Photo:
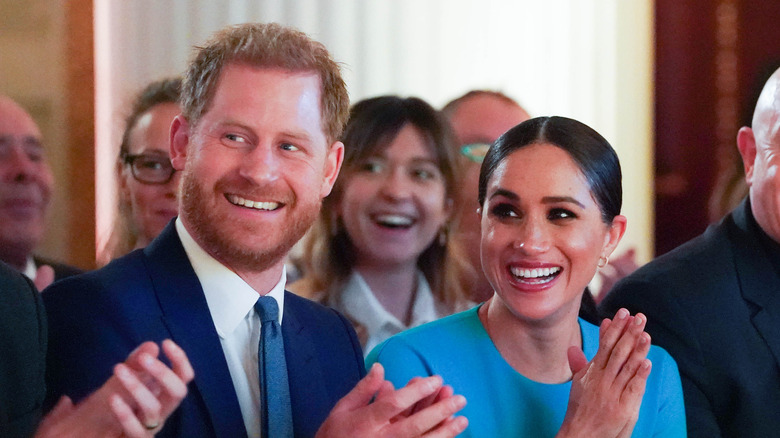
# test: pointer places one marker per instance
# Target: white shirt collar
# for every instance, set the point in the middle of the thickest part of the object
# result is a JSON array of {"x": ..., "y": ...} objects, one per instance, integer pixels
[
  {"x": 30, "y": 269},
  {"x": 360, "y": 304},
  {"x": 229, "y": 297}
]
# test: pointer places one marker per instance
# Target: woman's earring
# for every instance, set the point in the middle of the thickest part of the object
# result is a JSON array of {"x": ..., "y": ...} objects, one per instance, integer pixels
[
  {"x": 443, "y": 236},
  {"x": 603, "y": 260}
]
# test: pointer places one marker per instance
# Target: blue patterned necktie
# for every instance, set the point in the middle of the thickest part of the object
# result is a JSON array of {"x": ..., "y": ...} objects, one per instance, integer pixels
[{"x": 276, "y": 417}]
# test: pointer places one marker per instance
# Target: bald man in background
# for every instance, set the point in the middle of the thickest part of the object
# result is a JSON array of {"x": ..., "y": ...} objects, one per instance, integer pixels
[
  {"x": 714, "y": 302},
  {"x": 478, "y": 118},
  {"x": 25, "y": 192}
]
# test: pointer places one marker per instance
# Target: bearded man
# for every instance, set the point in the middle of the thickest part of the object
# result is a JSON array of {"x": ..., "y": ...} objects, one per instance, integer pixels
[{"x": 257, "y": 143}]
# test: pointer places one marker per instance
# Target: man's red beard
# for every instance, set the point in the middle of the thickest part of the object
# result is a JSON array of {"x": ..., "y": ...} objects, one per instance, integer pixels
[{"x": 210, "y": 227}]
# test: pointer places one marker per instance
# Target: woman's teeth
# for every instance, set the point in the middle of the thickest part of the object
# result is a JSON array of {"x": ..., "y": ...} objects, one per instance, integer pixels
[
  {"x": 535, "y": 273},
  {"x": 394, "y": 220}
]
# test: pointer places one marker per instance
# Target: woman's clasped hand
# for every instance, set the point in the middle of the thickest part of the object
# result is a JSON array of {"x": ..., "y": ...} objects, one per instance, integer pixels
[{"x": 606, "y": 392}]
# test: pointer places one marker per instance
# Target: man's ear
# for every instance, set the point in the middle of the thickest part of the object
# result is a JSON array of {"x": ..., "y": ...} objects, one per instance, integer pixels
[
  {"x": 180, "y": 139},
  {"x": 746, "y": 143},
  {"x": 333, "y": 160}
]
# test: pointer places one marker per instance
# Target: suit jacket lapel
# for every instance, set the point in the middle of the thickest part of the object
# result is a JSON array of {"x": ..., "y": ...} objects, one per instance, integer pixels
[
  {"x": 757, "y": 278},
  {"x": 186, "y": 314},
  {"x": 304, "y": 371}
]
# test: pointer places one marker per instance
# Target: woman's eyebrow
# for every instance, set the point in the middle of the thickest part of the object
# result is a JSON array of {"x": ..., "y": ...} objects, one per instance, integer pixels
[
  {"x": 556, "y": 199},
  {"x": 505, "y": 193}
]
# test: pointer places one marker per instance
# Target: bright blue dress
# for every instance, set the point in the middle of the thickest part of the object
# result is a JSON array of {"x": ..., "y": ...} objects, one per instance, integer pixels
[{"x": 502, "y": 402}]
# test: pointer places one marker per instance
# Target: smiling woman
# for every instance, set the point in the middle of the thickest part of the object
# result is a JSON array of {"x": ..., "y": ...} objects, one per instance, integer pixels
[
  {"x": 148, "y": 185},
  {"x": 379, "y": 251},
  {"x": 550, "y": 197}
]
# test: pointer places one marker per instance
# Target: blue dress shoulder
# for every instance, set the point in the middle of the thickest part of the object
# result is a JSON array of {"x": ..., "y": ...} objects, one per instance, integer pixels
[{"x": 500, "y": 401}]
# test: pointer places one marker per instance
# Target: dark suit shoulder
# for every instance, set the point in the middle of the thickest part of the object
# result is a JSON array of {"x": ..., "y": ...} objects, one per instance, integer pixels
[
  {"x": 681, "y": 293},
  {"x": 324, "y": 360},
  {"x": 123, "y": 274},
  {"x": 95, "y": 320},
  {"x": 318, "y": 311},
  {"x": 695, "y": 300},
  {"x": 14, "y": 286},
  {"x": 694, "y": 271},
  {"x": 328, "y": 325},
  {"x": 23, "y": 346}
]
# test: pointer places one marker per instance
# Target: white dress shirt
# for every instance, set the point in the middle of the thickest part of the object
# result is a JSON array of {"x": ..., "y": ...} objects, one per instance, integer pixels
[
  {"x": 30, "y": 270},
  {"x": 231, "y": 303},
  {"x": 358, "y": 302}
]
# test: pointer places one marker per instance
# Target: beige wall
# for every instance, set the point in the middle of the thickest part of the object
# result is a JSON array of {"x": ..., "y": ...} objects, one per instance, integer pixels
[{"x": 36, "y": 64}]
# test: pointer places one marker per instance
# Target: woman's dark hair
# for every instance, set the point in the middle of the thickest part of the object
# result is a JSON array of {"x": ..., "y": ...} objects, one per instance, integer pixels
[
  {"x": 373, "y": 124},
  {"x": 124, "y": 236},
  {"x": 162, "y": 91},
  {"x": 589, "y": 150}
]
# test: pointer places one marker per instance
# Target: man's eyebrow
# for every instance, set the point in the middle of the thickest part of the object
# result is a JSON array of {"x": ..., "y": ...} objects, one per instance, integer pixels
[
  {"x": 298, "y": 135},
  {"x": 32, "y": 141},
  {"x": 227, "y": 123},
  {"x": 25, "y": 140}
]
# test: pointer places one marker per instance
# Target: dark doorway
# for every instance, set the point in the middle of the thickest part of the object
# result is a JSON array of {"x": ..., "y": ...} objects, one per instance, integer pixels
[{"x": 711, "y": 57}]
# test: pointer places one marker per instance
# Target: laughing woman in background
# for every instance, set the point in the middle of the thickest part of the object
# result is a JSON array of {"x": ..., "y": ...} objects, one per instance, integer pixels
[{"x": 379, "y": 251}]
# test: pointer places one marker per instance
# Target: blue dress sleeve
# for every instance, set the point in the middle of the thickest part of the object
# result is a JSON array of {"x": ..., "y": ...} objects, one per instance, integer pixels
[
  {"x": 671, "y": 409},
  {"x": 400, "y": 360}
]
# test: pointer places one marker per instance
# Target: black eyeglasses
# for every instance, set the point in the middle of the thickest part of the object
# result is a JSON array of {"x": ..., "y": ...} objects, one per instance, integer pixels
[{"x": 150, "y": 168}]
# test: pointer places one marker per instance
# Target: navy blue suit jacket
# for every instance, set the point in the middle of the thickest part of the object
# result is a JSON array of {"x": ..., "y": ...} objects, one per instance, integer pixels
[
  {"x": 98, "y": 318},
  {"x": 714, "y": 305}
]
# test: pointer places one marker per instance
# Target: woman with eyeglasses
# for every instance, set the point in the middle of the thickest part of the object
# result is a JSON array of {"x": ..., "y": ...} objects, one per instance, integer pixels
[{"x": 148, "y": 184}]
